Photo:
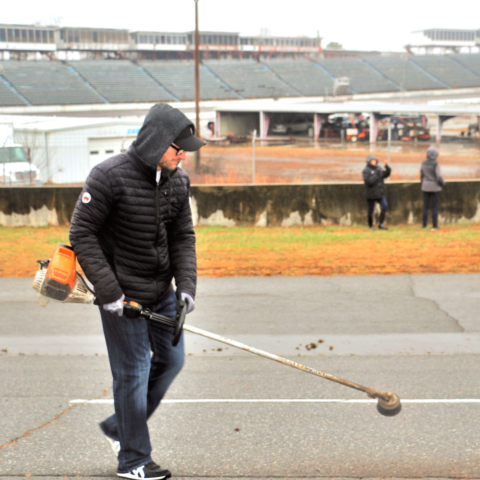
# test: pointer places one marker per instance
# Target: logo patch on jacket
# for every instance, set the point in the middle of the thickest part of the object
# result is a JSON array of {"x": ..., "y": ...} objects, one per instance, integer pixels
[{"x": 86, "y": 197}]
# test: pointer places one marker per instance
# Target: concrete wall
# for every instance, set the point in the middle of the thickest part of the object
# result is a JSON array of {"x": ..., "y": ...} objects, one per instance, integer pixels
[
  {"x": 261, "y": 205},
  {"x": 37, "y": 206}
]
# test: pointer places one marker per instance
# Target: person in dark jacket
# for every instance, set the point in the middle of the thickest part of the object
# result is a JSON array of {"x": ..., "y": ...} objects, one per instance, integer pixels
[
  {"x": 432, "y": 183},
  {"x": 373, "y": 177},
  {"x": 132, "y": 232}
]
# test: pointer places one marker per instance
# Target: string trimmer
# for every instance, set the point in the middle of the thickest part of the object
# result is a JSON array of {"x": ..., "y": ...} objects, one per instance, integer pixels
[{"x": 57, "y": 279}]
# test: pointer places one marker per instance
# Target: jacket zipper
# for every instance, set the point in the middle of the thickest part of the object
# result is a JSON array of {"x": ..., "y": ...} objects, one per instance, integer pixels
[{"x": 157, "y": 222}]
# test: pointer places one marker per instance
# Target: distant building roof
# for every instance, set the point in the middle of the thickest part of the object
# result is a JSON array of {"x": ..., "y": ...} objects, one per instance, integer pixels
[{"x": 451, "y": 35}]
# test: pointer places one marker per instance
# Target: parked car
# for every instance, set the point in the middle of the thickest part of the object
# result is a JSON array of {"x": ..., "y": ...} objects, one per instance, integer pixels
[{"x": 295, "y": 126}]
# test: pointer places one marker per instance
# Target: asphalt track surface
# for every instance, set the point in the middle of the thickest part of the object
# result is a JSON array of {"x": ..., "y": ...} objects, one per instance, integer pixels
[{"x": 233, "y": 415}]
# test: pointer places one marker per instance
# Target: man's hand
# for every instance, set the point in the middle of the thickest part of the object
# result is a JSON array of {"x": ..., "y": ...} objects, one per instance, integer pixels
[
  {"x": 187, "y": 298},
  {"x": 115, "y": 307}
]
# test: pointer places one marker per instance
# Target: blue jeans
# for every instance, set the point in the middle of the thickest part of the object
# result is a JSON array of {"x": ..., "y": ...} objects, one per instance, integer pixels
[
  {"x": 140, "y": 379},
  {"x": 433, "y": 198},
  {"x": 383, "y": 209}
]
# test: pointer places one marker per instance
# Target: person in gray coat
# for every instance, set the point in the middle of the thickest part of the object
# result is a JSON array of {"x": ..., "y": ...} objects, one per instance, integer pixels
[{"x": 432, "y": 183}]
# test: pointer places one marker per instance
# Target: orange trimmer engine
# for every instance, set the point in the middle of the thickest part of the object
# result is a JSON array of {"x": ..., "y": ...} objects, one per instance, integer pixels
[
  {"x": 57, "y": 279},
  {"x": 61, "y": 273}
]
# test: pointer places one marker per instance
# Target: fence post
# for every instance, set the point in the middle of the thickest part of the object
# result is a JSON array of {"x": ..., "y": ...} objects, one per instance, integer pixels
[
  {"x": 45, "y": 137},
  {"x": 253, "y": 155}
]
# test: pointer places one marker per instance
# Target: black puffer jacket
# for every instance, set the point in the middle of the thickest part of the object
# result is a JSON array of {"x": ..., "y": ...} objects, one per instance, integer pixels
[
  {"x": 132, "y": 235},
  {"x": 373, "y": 177}
]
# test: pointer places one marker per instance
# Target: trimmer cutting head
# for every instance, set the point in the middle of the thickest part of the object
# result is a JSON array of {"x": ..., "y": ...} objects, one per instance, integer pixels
[
  {"x": 391, "y": 407},
  {"x": 57, "y": 279}
]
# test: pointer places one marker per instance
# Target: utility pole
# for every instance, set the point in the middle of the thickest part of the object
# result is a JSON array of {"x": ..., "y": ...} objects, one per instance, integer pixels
[
  {"x": 197, "y": 87},
  {"x": 253, "y": 155}
]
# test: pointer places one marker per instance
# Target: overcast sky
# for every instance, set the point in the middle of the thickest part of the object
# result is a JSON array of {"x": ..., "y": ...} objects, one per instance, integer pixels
[{"x": 369, "y": 25}]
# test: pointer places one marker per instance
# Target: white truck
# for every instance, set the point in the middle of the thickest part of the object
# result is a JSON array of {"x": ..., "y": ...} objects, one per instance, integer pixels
[{"x": 16, "y": 167}]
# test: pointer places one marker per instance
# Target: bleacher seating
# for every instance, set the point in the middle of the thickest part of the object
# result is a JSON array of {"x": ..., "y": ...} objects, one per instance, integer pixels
[
  {"x": 250, "y": 79},
  {"x": 363, "y": 78},
  {"x": 48, "y": 83},
  {"x": 304, "y": 75},
  {"x": 179, "y": 79},
  {"x": 447, "y": 70},
  {"x": 403, "y": 72},
  {"x": 8, "y": 98},
  {"x": 470, "y": 61},
  {"x": 120, "y": 81}
]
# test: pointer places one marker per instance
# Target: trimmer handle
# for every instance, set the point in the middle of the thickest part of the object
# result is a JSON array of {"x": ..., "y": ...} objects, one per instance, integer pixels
[
  {"x": 134, "y": 310},
  {"x": 182, "y": 307}
]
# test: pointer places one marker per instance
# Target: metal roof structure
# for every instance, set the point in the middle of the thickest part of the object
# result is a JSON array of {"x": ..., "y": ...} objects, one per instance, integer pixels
[
  {"x": 381, "y": 108},
  {"x": 55, "y": 124},
  {"x": 321, "y": 110}
]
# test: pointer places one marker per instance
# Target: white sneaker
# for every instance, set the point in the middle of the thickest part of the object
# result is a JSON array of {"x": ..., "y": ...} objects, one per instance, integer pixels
[{"x": 151, "y": 471}]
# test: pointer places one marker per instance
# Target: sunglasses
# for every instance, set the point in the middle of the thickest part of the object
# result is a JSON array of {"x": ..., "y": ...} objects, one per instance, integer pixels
[{"x": 179, "y": 151}]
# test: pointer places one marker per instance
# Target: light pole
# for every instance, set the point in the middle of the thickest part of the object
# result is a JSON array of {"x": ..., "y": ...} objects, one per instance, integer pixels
[{"x": 197, "y": 87}]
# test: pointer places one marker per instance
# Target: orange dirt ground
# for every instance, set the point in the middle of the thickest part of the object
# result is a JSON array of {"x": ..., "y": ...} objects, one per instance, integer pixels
[
  {"x": 287, "y": 251},
  {"x": 310, "y": 164}
]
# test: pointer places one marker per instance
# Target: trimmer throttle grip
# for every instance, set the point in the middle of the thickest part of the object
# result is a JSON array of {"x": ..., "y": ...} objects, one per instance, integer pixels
[{"x": 132, "y": 310}]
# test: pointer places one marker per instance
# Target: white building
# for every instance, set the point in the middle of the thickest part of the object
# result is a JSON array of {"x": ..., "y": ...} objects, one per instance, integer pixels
[{"x": 66, "y": 149}]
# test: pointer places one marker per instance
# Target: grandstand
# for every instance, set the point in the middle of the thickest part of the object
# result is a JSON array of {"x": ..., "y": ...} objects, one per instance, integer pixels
[
  {"x": 307, "y": 77},
  {"x": 470, "y": 61},
  {"x": 83, "y": 82},
  {"x": 251, "y": 79},
  {"x": 178, "y": 78},
  {"x": 447, "y": 71},
  {"x": 407, "y": 75},
  {"x": 363, "y": 78},
  {"x": 8, "y": 96},
  {"x": 47, "y": 83},
  {"x": 122, "y": 82}
]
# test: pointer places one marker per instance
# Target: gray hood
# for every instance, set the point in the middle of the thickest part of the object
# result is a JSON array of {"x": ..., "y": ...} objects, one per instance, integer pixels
[
  {"x": 432, "y": 154},
  {"x": 371, "y": 157},
  {"x": 160, "y": 128}
]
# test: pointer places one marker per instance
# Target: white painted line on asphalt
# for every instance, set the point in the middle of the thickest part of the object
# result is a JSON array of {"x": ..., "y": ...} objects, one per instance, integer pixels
[
  {"x": 288, "y": 400},
  {"x": 286, "y": 345}
]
